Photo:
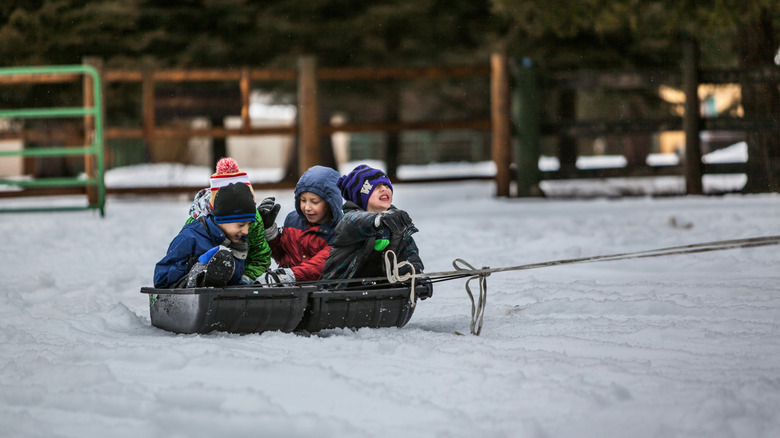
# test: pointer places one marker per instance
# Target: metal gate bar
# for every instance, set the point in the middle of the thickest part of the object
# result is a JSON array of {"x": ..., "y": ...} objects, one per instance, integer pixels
[{"x": 94, "y": 149}]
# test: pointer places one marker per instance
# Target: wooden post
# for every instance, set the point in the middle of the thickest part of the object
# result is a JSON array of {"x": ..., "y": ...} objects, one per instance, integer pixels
[
  {"x": 308, "y": 119},
  {"x": 525, "y": 117},
  {"x": 500, "y": 121},
  {"x": 89, "y": 128},
  {"x": 147, "y": 105},
  {"x": 245, "y": 99},
  {"x": 692, "y": 119}
]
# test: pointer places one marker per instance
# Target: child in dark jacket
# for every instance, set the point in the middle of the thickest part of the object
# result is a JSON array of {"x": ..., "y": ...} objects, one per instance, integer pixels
[
  {"x": 302, "y": 245},
  {"x": 258, "y": 258},
  {"x": 371, "y": 226},
  {"x": 211, "y": 251}
]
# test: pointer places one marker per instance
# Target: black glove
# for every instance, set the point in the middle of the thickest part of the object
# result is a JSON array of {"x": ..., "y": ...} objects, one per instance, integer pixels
[
  {"x": 396, "y": 221},
  {"x": 268, "y": 209},
  {"x": 425, "y": 283}
]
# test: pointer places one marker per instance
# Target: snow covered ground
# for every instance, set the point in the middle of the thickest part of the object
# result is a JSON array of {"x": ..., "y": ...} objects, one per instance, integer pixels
[{"x": 678, "y": 346}]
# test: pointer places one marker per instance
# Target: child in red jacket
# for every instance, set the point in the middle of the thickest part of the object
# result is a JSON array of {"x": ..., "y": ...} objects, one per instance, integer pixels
[{"x": 302, "y": 245}]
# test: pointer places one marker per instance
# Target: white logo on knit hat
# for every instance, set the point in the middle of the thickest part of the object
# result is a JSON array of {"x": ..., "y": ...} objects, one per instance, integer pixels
[{"x": 366, "y": 187}]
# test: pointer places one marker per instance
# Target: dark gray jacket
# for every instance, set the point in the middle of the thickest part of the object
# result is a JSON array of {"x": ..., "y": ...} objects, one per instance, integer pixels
[{"x": 352, "y": 254}]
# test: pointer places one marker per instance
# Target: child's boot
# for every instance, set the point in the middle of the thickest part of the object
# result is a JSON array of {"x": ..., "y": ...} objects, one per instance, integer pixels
[
  {"x": 219, "y": 269},
  {"x": 196, "y": 275}
]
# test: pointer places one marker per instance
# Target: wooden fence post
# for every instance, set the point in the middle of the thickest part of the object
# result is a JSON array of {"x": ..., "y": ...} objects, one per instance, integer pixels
[
  {"x": 90, "y": 165},
  {"x": 500, "y": 121},
  {"x": 147, "y": 107},
  {"x": 246, "y": 89},
  {"x": 308, "y": 119},
  {"x": 692, "y": 119}
]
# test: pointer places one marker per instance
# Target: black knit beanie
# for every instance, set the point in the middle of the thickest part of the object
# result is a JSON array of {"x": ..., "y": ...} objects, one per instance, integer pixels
[{"x": 234, "y": 203}]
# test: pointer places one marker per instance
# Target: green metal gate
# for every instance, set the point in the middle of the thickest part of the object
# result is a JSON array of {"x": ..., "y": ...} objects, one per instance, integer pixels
[{"x": 92, "y": 111}]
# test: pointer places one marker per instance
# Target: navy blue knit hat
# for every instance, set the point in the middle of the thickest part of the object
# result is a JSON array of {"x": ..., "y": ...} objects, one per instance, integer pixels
[
  {"x": 234, "y": 203},
  {"x": 357, "y": 186}
]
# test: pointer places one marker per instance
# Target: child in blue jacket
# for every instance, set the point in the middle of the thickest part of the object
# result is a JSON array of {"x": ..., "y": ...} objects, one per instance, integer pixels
[
  {"x": 212, "y": 250},
  {"x": 258, "y": 258}
]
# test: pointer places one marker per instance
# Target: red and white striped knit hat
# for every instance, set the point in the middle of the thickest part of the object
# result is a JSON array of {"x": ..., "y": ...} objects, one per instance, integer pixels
[{"x": 227, "y": 173}]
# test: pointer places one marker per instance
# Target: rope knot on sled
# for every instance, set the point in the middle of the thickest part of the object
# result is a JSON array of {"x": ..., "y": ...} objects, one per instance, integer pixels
[
  {"x": 394, "y": 276},
  {"x": 462, "y": 268}
]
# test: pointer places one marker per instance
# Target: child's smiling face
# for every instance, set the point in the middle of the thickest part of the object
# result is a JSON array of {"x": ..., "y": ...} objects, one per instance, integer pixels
[
  {"x": 234, "y": 231},
  {"x": 316, "y": 210},
  {"x": 380, "y": 199}
]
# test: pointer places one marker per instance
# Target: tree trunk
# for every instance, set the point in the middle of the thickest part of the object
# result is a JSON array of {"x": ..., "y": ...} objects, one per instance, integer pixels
[{"x": 756, "y": 47}]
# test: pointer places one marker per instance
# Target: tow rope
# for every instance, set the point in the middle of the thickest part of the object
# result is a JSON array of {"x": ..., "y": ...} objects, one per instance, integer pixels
[{"x": 464, "y": 269}]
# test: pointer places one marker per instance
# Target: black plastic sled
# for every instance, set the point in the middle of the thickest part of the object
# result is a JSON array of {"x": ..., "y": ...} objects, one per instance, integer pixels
[{"x": 255, "y": 309}]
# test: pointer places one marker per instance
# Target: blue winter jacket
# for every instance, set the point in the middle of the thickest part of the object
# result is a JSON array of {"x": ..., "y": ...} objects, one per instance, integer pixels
[{"x": 193, "y": 240}]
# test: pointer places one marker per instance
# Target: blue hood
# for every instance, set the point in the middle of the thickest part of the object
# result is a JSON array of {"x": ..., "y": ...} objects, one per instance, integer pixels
[{"x": 321, "y": 181}]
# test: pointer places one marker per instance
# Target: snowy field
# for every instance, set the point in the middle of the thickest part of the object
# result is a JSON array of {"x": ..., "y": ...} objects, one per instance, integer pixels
[{"x": 678, "y": 346}]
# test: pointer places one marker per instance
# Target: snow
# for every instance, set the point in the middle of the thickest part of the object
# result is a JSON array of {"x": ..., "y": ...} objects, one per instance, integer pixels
[{"x": 683, "y": 346}]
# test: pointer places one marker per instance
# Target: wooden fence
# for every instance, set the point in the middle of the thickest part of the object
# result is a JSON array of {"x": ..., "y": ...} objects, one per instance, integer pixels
[
  {"x": 516, "y": 92},
  {"x": 568, "y": 128},
  {"x": 308, "y": 131}
]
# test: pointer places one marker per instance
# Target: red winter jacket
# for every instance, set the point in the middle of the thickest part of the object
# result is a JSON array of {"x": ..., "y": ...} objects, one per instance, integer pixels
[
  {"x": 304, "y": 247},
  {"x": 303, "y": 250}
]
